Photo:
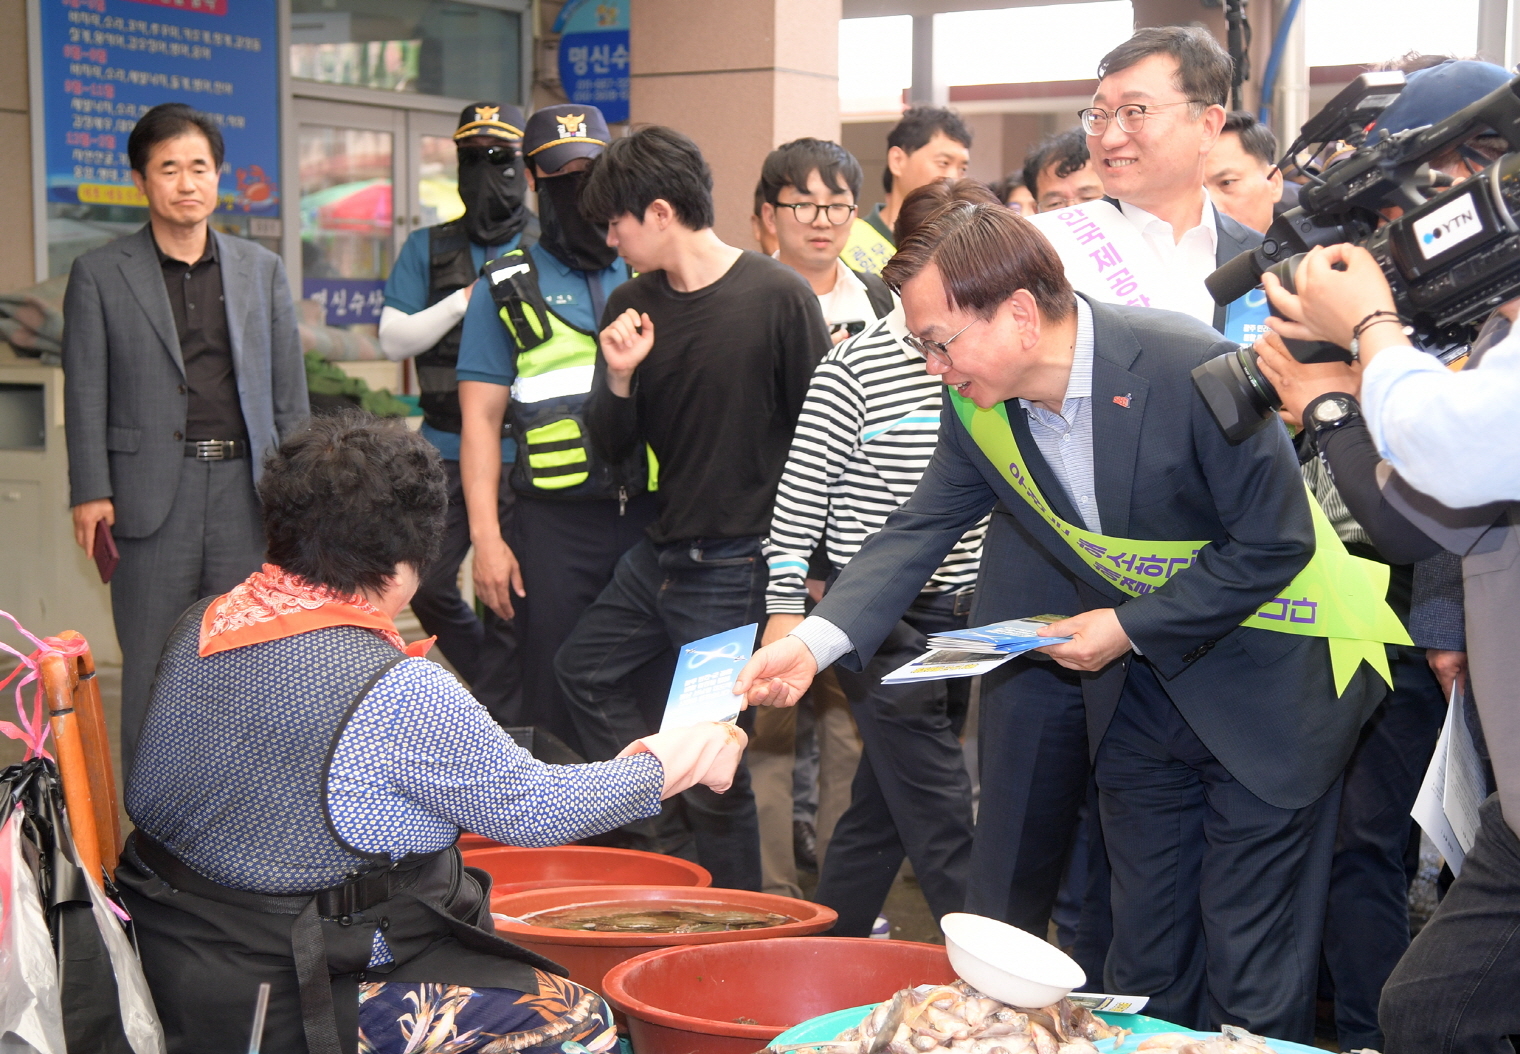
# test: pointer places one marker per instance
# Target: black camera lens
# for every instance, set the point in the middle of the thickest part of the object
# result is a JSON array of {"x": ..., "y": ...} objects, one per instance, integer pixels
[{"x": 1241, "y": 399}]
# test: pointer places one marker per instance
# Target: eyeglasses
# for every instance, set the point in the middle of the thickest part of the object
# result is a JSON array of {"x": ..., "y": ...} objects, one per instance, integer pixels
[
  {"x": 938, "y": 350},
  {"x": 1131, "y": 116},
  {"x": 807, "y": 211},
  {"x": 491, "y": 155}
]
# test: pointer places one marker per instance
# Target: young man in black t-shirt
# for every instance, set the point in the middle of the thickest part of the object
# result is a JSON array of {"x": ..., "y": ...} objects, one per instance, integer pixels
[{"x": 705, "y": 357}]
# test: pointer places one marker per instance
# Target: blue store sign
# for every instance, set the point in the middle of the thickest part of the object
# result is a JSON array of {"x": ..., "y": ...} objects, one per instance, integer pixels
[
  {"x": 107, "y": 62},
  {"x": 593, "y": 55}
]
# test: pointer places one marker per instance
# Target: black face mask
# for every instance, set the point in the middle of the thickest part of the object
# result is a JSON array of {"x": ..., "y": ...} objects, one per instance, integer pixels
[
  {"x": 493, "y": 197},
  {"x": 575, "y": 241}
]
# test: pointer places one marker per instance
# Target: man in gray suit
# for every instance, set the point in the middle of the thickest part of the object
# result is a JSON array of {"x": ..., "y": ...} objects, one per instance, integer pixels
[
  {"x": 1218, "y": 747},
  {"x": 182, "y": 369}
]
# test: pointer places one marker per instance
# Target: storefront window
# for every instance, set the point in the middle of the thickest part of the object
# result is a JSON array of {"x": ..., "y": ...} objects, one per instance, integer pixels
[
  {"x": 428, "y": 47},
  {"x": 346, "y": 212},
  {"x": 438, "y": 181}
]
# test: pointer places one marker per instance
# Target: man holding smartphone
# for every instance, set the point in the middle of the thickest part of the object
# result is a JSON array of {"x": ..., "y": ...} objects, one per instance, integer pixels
[{"x": 809, "y": 188}]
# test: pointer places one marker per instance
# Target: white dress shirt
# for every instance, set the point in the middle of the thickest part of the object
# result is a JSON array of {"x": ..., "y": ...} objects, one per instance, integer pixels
[
  {"x": 847, "y": 301},
  {"x": 1185, "y": 262}
]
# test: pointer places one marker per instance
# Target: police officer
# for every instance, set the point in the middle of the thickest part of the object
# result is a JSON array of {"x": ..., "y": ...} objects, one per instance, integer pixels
[
  {"x": 425, "y": 300},
  {"x": 528, "y": 352}
]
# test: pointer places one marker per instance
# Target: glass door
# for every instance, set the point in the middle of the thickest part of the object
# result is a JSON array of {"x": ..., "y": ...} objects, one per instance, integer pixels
[
  {"x": 434, "y": 180},
  {"x": 351, "y": 160}
]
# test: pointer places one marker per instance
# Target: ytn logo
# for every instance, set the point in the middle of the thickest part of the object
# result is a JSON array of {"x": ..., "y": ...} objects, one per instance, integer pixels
[
  {"x": 1448, "y": 226},
  {"x": 1454, "y": 224}
]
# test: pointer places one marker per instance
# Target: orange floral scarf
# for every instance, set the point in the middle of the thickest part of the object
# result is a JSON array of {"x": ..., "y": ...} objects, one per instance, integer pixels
[{"x": 273, "y": 604}]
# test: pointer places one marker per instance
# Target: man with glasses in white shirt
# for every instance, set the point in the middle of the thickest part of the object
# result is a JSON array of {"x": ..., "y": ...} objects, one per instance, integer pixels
[
  {"x": 808, "y": 190},
  {"x": 1157, "y": 113}
]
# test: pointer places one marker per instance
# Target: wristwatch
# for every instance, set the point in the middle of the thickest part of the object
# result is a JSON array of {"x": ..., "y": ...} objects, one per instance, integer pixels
[{"x": 1329, "y": 412}]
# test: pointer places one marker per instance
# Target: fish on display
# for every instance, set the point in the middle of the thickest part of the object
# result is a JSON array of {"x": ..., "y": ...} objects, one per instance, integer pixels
[{"x": 958, "y": 1019}]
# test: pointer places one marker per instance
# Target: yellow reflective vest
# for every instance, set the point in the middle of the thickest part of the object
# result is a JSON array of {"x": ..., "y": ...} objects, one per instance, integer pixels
[{"x": 556, "y": 364}]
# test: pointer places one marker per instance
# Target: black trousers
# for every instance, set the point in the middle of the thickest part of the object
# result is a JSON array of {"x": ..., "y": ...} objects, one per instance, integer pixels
[
  {"x": 663, "y": 597},
  {"x": 1033, "y": 758},
  {"x": 1367, "y": 922},
  {"x": 1454, "y": 990},
  {"x": 568, "y": 551},
  {"x": 911, "y": 795},
  {"x": 1218, "y": 897},
  {"x": 484, "y": 652}
]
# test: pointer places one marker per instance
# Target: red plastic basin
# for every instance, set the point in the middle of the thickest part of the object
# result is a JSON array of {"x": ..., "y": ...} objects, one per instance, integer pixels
[
  {"x": 689, "y": 1000},
  {"x": 468, "y": 842},
  {"x": 589, "y": 955},
  {"x": 514, "y": 870}
]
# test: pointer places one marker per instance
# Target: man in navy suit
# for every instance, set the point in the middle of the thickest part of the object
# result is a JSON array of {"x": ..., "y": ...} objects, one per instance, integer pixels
[{"x": 1218, "y": 748}]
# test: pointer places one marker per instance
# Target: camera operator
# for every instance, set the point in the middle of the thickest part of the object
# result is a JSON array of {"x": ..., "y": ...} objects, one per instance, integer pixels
[
  {"x": 1452, "y": 437},
  {"x": 1367, "y": 919}
]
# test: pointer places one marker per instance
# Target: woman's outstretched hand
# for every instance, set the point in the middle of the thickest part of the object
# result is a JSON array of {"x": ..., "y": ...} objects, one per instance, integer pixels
[{"x": 706, "y": 753}]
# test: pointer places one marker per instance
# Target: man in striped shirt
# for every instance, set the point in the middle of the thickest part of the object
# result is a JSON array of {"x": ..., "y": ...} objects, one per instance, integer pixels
[{"x": 867, "y": 430}]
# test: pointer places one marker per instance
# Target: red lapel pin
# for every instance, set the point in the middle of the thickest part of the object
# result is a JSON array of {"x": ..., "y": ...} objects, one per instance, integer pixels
[{"x": 1122, "y": 400}]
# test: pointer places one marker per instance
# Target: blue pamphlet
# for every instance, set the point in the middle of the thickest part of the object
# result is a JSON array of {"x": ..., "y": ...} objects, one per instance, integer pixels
[
  {"x": 703, "y": 687},
  {"x": 1009, "y": 637},
  {"x": 975, "y": 651}
]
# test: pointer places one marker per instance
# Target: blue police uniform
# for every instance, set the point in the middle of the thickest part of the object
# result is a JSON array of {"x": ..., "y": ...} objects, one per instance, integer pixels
[
  {"x": 483, "y": 652},
  {"x": 567, "y": 547}
]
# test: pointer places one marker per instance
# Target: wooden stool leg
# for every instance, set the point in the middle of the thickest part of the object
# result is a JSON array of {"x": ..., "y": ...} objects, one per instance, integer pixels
[
  {"x": 58, "y": 690},
  {"x": 91, "y": 717}
]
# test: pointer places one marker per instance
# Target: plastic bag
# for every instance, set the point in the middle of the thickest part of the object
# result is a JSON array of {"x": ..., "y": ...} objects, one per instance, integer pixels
[{"x": 29, "y": 1006}]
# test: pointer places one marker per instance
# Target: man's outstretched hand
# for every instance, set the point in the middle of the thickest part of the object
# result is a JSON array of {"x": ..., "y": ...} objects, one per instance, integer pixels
[
  {"x": 1099, "y": 639},
  {"x": 777, "y": 674}
]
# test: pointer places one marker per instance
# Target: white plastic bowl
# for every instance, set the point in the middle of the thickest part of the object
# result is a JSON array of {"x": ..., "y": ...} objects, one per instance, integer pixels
[{"x": 1007, "y": 963}]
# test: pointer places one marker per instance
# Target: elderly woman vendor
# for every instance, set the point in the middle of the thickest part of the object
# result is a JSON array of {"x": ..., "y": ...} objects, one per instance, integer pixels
[{"x": 303, "y": 776}]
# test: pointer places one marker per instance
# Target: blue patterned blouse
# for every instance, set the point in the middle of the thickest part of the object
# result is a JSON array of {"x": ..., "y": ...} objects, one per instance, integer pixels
[{"x": 420, "y": 759}]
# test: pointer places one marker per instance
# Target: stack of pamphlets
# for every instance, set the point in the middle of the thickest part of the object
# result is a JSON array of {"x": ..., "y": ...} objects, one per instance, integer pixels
[{"x": 968, "y": 652}]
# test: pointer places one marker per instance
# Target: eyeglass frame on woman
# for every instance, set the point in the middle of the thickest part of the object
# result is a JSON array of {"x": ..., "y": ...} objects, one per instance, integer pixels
[
  {"x": 937, "y": 350},
  {"x": 1088, "y": 114},
  {"x": 795, "y": 205}
]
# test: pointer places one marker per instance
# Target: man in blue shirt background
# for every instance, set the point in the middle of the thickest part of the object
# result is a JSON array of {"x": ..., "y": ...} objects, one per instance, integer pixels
[
  {"x": 425, "y": 299},
  {"x": 529, "y": 347}
]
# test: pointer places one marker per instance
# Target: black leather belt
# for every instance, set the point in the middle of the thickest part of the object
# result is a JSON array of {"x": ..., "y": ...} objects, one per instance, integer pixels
[{"x": 216, "y": 449}]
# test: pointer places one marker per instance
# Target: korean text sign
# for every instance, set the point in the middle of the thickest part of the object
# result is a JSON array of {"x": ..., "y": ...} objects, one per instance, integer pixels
[{"x": 107, "y": 62}]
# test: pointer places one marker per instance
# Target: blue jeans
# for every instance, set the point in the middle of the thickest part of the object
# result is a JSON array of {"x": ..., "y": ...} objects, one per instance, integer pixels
[{"x": 662, "y": 597}]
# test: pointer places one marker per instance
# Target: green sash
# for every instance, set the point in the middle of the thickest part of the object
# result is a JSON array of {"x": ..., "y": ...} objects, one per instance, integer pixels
[{"x": 1337, "y": 596}]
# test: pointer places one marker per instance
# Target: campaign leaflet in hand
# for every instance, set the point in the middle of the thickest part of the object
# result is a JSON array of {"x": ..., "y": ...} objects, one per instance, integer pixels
[
  {"x": 969, "y": 652},
  {"x": 1010, "y": 637},
  {"x": 703, "y": 687}
]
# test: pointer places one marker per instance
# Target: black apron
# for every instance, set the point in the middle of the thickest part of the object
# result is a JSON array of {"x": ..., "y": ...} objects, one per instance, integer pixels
[{"x": 206, "y": 948}]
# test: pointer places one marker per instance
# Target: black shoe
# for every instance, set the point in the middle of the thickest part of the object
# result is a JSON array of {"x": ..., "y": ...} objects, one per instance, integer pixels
[{"x": 805, "y": 845}]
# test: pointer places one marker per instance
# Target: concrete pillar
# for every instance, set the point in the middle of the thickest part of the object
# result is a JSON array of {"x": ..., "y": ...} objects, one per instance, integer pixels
[
  {"x": 1290, "y": 101},
  {"x": 1179, "y": 13},
  {"x": 740, "y": 77},
  {"x": 923, "y": 91},
  {"x": 1497, "y": 31},
  {"x": 986, "y": 146},
  {"x": 17, "y": 264}
]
